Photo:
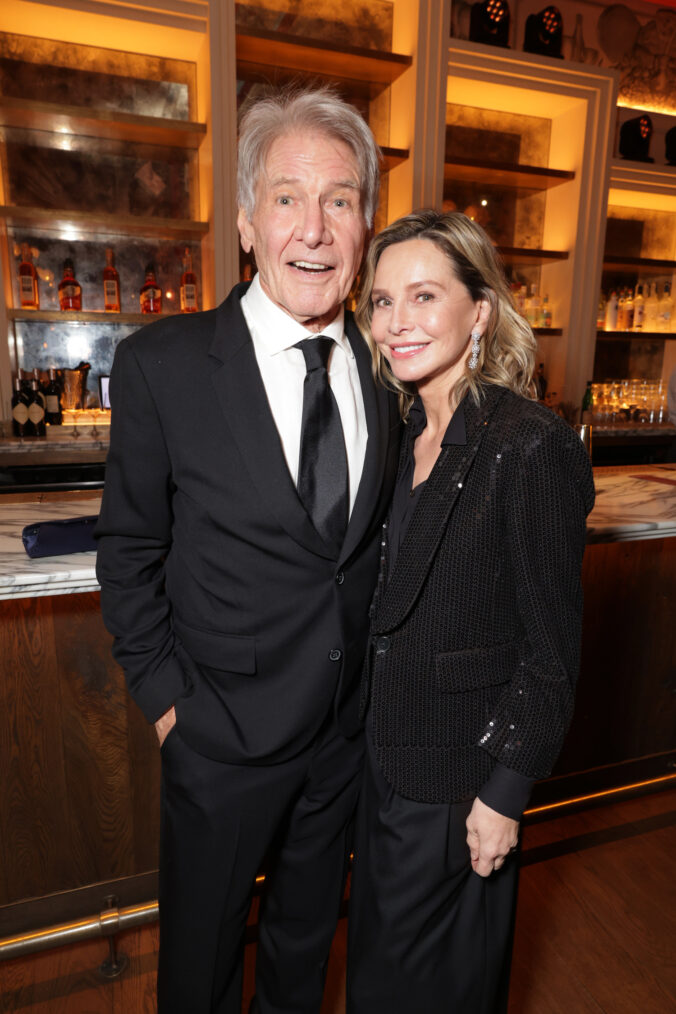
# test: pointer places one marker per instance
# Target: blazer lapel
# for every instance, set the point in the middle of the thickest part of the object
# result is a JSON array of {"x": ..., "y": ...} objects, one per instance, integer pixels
[
  {"x": 432, "y": 513},
  {"x": 241, "y": 393},
  {"x": 376, "y": 410}
]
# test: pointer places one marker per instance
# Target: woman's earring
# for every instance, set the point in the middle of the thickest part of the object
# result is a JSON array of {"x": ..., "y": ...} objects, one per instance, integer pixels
[{"x": 476, "y": 349}]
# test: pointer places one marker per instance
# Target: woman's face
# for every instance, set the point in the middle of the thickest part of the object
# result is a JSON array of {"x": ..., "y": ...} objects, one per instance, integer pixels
[{"x": 423, "y": 315}]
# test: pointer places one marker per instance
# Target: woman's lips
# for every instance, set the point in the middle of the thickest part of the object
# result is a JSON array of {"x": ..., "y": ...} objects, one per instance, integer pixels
[{"x": 407, "y": 351}]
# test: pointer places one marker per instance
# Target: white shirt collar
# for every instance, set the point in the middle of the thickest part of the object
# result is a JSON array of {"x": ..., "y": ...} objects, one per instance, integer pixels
[{"x": 276, "y": 331}]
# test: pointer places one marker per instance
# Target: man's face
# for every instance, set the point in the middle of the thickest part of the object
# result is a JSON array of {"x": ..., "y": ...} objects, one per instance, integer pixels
[{"x": 307, "y": 229}]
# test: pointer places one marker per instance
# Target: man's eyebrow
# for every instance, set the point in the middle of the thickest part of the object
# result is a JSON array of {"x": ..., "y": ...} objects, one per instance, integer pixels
[{"x": 283, "y": 181}]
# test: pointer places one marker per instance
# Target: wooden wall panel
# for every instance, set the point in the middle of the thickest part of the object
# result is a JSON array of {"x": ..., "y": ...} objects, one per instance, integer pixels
[
  {"x": 79, "y": 793},
  {"x": 626, "y": 700},
  {"x": 32, "y": 787}
]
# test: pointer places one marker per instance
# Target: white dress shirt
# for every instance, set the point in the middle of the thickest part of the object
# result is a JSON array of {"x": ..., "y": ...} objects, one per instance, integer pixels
[{"x": 274, "y": 333}]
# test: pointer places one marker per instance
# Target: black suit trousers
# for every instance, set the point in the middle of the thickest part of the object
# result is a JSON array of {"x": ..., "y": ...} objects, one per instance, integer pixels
[
  {"x": 218, "y": 823},
  {"x": 426, "y": 933}
]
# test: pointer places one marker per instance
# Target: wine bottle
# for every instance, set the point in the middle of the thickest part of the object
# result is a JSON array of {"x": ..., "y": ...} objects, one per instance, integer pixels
[
  {"x": 21, "y": 424},
  {"x": 541, "y": 382},
  {"x": 36, "y": 410},
  {"x": 639, "y": 309},
  {"x": 70, "y": 290},
  {"x": 188, "y": 285},
  {"x": 29, "y": 293},
  {"x": 587, "y": 404},
  {"x": 53, "y": 413},
  {"x": 151, "y": 293},
  {"x": 111, "y": 285}
]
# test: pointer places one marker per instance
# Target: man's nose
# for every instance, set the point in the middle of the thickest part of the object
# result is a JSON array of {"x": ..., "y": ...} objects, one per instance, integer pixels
[{"x": 313, "y": 227}]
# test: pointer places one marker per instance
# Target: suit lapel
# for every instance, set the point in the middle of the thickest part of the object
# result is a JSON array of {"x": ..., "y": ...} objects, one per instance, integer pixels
[
  {"x": 241, "y": 393},
  {"x": 376, "y": 410},
  {"x": 430, "y": 519}
]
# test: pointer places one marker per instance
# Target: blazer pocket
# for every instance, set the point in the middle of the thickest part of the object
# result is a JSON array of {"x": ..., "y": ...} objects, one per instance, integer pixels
[
  {"x": 229, "y": 652},
  {"x": 462, "y": 671}
]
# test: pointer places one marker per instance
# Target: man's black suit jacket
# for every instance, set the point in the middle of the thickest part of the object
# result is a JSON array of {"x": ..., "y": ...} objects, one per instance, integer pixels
[{"x": 222, "y": 598}]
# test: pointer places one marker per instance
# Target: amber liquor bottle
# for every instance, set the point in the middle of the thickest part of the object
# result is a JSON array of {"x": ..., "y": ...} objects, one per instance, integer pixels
[
  {"x": 70, "y": 290},
  {"x": 188, "y": 285},
  {"x": 151, "y": 293},
  {"x": 28, "y": 280},
  {"x": 111, "y": 285}
]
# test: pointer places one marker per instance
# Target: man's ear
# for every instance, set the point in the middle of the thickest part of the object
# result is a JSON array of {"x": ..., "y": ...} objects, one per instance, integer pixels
[{"x": 246, "y": 232}]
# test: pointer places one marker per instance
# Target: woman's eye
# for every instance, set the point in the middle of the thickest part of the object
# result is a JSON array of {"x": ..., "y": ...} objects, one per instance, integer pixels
[{"x": 381, "y": 302}]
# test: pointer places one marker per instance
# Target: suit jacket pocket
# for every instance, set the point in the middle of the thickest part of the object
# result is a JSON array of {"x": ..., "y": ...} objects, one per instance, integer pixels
[
  {"x": 476, "y": 668},
  {"x": 229, "y": 652}
]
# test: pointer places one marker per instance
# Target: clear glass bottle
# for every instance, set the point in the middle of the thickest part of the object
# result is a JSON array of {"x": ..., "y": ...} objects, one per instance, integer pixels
[
  {"x": 665, "y": 313},
  {"x": 639, "y": 309}
]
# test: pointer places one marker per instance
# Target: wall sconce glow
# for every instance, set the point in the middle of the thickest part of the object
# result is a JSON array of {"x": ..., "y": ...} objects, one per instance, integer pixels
[{"x": 484, "y": 203}]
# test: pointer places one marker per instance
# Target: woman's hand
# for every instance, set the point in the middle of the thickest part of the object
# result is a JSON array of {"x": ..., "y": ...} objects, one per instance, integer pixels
[{"x": 490, "y": 836}]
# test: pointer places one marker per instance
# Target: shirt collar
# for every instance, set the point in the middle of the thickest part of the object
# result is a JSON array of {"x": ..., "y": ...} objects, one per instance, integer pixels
[
  {"x": 456, "y": 431},
  {"x": 276, "y": 331}
]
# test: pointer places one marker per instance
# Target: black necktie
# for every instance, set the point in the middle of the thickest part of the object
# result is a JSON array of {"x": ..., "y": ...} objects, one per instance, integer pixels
[{"x": 322, "y": 466}]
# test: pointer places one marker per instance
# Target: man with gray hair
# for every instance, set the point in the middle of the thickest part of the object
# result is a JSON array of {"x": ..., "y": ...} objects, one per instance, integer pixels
[{"x": 252, "y": 458}]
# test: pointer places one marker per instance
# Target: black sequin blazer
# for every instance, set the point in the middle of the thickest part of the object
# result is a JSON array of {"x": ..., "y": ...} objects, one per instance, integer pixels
[{"x": 475, "y": 635}]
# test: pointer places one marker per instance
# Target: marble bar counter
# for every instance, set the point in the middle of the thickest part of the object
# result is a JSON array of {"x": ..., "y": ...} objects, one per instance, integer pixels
[
  {"x": 632, "y": 503},
  {"x": 21, "y": 576}
]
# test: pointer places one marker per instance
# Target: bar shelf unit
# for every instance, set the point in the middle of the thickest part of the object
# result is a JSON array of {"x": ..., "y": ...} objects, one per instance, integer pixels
[
  {"x": 613, "y": 336},
  {"x": 521, "y": 178},
  {"x": 264, "y": 55},
  {"x": 100, "y": 123},
  {"x": 529, "y": 256},
  {"x": 84, "y": 223},
  {"x": 83, "y": 316}
]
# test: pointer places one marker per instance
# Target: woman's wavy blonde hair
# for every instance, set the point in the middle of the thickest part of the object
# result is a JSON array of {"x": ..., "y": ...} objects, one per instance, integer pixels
[{"x": 507, "y": 356}]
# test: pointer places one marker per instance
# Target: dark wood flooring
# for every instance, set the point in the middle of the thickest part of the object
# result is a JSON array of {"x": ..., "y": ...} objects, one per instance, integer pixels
[{"x": 596, "y": 929}]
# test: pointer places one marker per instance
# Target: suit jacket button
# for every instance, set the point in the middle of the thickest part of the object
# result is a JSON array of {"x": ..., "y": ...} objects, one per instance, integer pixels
[
  {"x": 340, "y": 577},
  {"x": 335, "y": 655},
  {"x": 382, "y": 645}
]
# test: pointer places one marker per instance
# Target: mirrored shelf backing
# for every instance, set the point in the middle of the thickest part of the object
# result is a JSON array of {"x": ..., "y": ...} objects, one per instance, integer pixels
[{"x": 85, "y": 316}]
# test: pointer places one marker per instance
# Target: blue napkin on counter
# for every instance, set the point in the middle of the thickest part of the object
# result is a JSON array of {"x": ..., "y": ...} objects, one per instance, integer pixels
[{"x": 54, "y": 538}]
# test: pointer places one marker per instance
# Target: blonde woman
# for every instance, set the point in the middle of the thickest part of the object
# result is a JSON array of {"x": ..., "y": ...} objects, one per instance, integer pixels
[{"x": 475, "y": 626}]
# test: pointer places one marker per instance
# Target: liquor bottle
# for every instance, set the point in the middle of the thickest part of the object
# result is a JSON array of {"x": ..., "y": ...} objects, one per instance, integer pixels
[
  {"x": 541, "y": 382},
  {"x": 533, "y": 307},
  {"x": 21, "y": 424},
  {"x": 29, "y": 293},
  {"x": 621, "y": 311},
  {"x": 629, "y": 311},
  {"x": 639, "y": 309},
  {"x": 36, "y": 410},
  {"x": 665, "y": 312},
  {"x": 651, "y": 309},
  {"x": 546, "y": 313},
  {"x": 70, "y": 290},
  {"x": 601, "y": 313},
  {"x": 151, "y": 293},
  {"x": 587, "y": 404},
  {"x": 611, "y": 312},
  {"x": 38, "y": 381},
  {"x": 53, "y": 413},
  {"x": 188, "y": 285},
  {"x": 111, "y": 285}
]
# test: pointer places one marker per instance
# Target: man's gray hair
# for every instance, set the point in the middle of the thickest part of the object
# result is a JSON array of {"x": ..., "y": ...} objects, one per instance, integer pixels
[{"x": 319, "y": 110}]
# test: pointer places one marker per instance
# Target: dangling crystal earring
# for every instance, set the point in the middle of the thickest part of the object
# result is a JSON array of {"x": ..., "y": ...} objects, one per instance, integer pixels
[{"x": 476, "y": 349}]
